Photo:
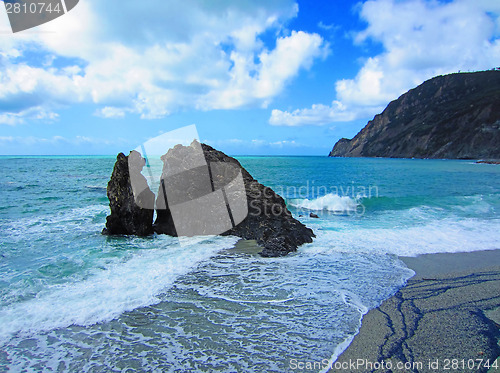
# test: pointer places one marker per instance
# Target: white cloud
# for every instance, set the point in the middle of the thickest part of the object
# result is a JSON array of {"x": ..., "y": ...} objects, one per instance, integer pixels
[
  {"x": 291, "y": 53},
  {"x": 254, "y": 143},
  {"x": 420, "y": 39},
  {"x": 317, "y": 115},
  {"x": 284, "y": 143},
  {"x": 328, "y": 27},
  {"x": 110, "y": 112},
  {"x": 257, "y": 142},
  {"x": 325, "y": 26},
  {"x": 10, "y": 119},
  {"x": 36, "y": 112},
  {"x": 253, "y": 83},
  {"x": 55, "y": 140},
  {"x": 31, "y": 140},
  {"x": 154, "y": 58}
]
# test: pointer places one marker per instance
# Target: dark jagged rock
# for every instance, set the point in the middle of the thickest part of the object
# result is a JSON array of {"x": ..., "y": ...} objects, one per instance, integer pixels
[
  {"x": 312, "y": 215},
  {"x": 185, "y": 178},
  {"x": 127, "y": 217},
  {"x": 268, "y": 221},
  {"x": 451, "y": 116}
]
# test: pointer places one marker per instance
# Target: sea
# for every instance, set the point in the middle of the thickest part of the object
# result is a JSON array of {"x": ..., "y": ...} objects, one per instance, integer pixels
[{"x": 73, "y": 300}]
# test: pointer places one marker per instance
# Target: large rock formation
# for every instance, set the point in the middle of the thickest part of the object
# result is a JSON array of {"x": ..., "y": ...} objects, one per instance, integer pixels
[
  {"x": 268, "y": 222},
  {"x": 451, "y": 116},
  {"x": 239, "y": 204},
  {"x": 127, "y": 217}
]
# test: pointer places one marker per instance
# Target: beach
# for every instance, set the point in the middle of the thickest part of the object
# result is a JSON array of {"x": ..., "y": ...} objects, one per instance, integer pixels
[{"x": 446, "y": 318}]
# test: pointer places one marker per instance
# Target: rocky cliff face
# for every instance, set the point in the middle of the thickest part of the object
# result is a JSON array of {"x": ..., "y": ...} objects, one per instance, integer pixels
[
  {"x": 451, "y": 116},
  {"x": 202, "y": 191}
]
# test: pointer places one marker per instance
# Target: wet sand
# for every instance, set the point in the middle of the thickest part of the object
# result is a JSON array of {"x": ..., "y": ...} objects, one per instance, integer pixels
[{"x": 447, "y": 319}]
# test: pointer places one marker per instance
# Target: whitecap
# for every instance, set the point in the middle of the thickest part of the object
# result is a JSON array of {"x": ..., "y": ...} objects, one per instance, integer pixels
[{"x": 328, "y": 202}]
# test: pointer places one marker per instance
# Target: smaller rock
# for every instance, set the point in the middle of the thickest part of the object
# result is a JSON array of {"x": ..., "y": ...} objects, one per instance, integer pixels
[
  {"x": 311, "y": 215},
  {"x": 127, "y": 217}
]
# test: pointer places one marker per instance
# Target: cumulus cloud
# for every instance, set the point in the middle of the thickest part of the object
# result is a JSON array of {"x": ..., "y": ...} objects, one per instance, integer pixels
[
  {"x": 154, "y": 58},
  {"x": 420, "y": 39},
  {"x": 251, "y": 82}
]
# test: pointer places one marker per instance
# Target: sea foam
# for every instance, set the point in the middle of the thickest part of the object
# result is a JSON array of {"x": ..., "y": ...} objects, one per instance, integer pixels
[
  {"x": 328, "y": 202},
  {"x": 447, "y": 235},
  {"x": 112, "y": 288}
]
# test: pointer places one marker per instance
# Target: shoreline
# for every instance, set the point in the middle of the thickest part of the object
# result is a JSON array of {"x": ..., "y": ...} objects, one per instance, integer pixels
[{"x": 450, "y": 309}]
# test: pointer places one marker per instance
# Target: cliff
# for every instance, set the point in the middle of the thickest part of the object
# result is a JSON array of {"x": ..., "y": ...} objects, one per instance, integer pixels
[{"x": 450, "y": 116}]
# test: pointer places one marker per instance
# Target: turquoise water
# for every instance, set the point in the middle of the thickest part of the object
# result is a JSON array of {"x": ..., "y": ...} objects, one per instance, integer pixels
[{"x": 74, "y": 300}]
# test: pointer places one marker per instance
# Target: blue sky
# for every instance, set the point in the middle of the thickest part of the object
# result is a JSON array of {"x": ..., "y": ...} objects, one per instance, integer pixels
[{"x": 255, "y": 77}]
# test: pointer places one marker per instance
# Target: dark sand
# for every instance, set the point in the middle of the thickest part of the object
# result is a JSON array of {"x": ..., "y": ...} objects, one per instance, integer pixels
[{"x": 448, "y": 310}]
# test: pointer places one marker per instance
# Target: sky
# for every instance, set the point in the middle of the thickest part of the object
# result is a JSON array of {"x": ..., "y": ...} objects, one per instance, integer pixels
[{"x": 272, "y": 77}]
